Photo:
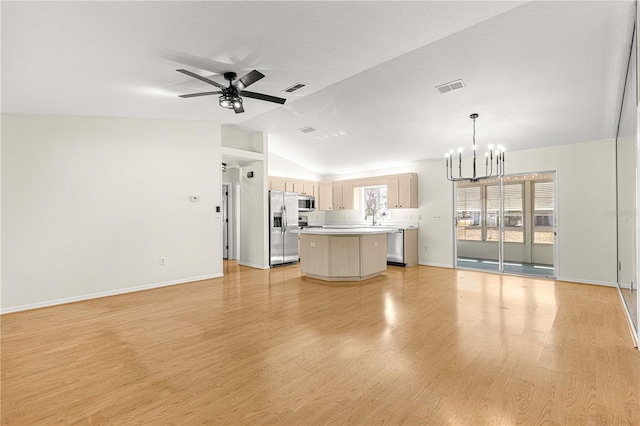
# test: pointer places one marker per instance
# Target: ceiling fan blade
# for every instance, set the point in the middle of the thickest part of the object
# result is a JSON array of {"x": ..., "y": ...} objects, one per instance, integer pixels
[
  {"x": 248, "y": 79},
  {"x": 237, "y": 107},
  {"x": 193, "y": 95},
  {"x": 262, "y": 97},
  {"x": 199, "y": 77}
]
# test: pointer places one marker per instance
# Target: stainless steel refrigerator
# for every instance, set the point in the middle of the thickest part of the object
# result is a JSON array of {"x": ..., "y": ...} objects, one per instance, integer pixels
[{"x": 283, "y": 218}]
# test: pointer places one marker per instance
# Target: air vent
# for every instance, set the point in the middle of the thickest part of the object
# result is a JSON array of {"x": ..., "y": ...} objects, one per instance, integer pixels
[
  {"x": 294, "y": 88},
  {"x": 307, "y": 129},
  {"x": 448, "y": 87}
]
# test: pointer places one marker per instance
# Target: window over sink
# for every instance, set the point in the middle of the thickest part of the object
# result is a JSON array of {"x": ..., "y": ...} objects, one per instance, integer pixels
[{"x": 372, "y": 201}]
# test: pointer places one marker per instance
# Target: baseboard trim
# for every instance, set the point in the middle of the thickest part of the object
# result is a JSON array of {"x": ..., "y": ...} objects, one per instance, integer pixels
[
  {"x": 253, "y": 265},
  {"x": 437, "y": 265},
  {"x": 592, "y": 282},
  {"x": 101, "y": 294}
]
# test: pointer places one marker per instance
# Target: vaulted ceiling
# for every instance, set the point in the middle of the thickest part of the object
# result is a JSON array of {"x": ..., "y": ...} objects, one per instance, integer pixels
[{"x": 538, "y": 73}]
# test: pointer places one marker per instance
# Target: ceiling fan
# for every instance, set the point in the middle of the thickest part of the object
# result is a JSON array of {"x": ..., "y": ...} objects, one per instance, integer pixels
[{"x": 230, "y": 97}]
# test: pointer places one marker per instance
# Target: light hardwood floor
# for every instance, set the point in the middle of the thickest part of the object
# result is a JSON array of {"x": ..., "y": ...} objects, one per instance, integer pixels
[{"x": 415, "y": 346}]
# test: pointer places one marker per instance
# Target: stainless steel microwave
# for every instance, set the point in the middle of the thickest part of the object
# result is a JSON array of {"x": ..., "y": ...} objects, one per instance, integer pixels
[{"x": 306, "y": 203}]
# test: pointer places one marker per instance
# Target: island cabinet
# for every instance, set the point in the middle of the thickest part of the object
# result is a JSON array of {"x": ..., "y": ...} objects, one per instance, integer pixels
[{"x": 343, "y": 257}]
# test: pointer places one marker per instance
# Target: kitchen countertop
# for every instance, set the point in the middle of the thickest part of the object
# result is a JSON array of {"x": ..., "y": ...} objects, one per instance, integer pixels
[
  {"x": 345, "y": 231},
  {"x": 368, "y": 225}
]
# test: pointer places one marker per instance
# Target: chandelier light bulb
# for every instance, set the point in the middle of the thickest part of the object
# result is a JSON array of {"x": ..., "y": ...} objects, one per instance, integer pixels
[
  {"x": 491, "y": 147},
  {"x": 460, "y": 150}
]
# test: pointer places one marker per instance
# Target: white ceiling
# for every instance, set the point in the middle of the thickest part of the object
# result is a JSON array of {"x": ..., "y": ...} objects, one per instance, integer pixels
[{"x": 538, "y": 73}]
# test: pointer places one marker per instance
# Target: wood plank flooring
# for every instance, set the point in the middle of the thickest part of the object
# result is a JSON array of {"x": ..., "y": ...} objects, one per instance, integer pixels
[{"x": 415, "y": 346}]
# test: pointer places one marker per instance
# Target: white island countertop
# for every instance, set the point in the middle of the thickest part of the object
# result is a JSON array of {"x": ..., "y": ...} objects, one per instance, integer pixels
[{"x": 345, "y": 231}]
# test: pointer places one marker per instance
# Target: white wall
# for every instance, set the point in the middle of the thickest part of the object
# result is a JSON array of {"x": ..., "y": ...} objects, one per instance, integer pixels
[
  {"x": 586, "y": 206},
  {"x": 237, "y": 138},
  {"x": 282, "y": 167},
  {"x": 90, "y": 205},
  {"x": 254, "y": 236}
]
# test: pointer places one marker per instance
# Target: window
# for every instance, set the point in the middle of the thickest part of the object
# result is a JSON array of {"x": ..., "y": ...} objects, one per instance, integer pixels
[
  {"x": 478, "y": 212},
  {"x": 373, "y": 202},
  {"x": 543, "y": 218},
  {"x": 469, "y": 226},
  {"x": 513, "y": 214}
]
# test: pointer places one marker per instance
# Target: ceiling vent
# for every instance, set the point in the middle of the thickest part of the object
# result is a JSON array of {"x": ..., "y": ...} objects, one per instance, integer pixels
[
  {"x": 451, "y": 86},
  {"x": 294, "y": 88},
  {"x": 307, "y": 129}
]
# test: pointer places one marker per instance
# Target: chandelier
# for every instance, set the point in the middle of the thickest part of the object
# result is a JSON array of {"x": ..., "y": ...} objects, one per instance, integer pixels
[{"x": 489, "y": 155}]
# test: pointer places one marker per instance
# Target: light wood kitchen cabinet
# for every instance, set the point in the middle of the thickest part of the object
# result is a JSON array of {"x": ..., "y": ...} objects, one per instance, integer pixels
[
  {"x": 324, "y": 200},
  {"x": 402, "y": 191},
  {"x": 276, "y": 184},
  {"x": 343, "y": 195},
  {"x": 410, "y": 247},
  {"x": 305, "y": 188},
  {"x": 344, "y": 256}
]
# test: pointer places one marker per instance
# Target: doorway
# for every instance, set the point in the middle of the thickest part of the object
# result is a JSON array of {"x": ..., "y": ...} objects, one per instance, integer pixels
[{"x": 507, "y": 224}]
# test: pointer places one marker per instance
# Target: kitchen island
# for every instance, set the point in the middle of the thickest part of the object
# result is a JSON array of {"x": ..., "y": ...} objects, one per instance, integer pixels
[{"x": 343, "y": 254}]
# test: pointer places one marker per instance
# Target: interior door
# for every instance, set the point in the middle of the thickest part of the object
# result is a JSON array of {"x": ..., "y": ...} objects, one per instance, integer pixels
[{"x": 225, "y": 221}]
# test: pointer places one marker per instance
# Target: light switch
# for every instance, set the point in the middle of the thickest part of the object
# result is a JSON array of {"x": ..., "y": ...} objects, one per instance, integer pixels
[{"x": 194, "y": 198}]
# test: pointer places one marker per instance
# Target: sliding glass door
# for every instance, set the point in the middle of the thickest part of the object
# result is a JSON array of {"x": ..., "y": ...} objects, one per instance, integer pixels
[{"x": 507, "y": 225}]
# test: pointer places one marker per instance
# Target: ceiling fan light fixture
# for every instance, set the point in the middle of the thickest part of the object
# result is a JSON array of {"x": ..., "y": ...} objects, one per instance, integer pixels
[{"x": 228, "y": 101}]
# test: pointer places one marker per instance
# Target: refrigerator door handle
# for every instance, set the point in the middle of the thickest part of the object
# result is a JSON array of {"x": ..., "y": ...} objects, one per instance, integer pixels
[{"x": 284, "y": 216}]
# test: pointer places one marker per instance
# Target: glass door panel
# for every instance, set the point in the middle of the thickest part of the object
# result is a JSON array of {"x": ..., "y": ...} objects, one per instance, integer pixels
[
  {"x": 514, "y": 247},
  {"x": 626, "y": 177},
  {"x": 477, "y": 232},
  {"x": 507, "y": 225}
]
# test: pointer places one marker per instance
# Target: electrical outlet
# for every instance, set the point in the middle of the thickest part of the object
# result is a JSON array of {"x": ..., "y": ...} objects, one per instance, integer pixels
[
  {"x": 375, "y": 244},
  {"x": 194, "y": 198},
  {"x": 419, "y": 217},
  {"x": 162, "y": 261},
  {"x": 313, "y": 244}
]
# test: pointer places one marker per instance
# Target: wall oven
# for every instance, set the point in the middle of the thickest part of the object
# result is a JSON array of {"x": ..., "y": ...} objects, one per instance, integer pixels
[{"x": 306, "y": 203}]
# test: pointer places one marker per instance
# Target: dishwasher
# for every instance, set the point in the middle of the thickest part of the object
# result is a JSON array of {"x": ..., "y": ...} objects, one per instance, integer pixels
[{"x": 395, "y": 248}]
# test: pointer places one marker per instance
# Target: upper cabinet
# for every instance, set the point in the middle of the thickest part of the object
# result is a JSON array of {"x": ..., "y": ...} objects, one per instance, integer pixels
[
  {"x": 305, "y": 188},
  {"x": 324, "y": 200},
  {"x": 343, "y": 195},
  {"x": 290, "y": 185},
  {"x": 402, "y": 191},
  {"x": 277, "y": 184}
]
